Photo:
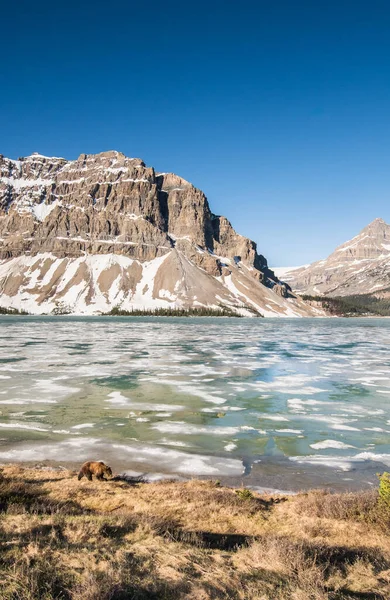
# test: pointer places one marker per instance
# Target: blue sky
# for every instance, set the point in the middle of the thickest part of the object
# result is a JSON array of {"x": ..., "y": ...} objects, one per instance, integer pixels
[{"x": 279, "y": 111}]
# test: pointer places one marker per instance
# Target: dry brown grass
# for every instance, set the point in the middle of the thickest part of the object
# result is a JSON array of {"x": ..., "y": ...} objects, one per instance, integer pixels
[
  {"x": 61, "y": 539},
  {"x": 354, "y": 505}
]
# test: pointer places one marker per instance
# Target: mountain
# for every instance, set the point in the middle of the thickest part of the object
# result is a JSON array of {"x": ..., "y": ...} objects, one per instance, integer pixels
[
  {"x": 360, "y": 266},
  {"x": 107, "y": 231}
]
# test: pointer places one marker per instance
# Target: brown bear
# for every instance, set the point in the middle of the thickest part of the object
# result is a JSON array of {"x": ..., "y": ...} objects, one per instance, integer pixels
[{"x": 99, "y": 469}]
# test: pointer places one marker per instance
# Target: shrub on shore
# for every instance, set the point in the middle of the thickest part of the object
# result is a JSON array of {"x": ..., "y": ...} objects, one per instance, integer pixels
[{"x": 384, "y": 491}]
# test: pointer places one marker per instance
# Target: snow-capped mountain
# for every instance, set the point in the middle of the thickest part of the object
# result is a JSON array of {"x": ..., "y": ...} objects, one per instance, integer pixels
[
  {"x": 360, "y": 266},
  {"x": 105, "y": 230}
]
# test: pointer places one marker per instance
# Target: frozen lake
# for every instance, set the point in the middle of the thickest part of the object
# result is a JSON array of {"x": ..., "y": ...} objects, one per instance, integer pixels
[{"x": 277, "y": 403}]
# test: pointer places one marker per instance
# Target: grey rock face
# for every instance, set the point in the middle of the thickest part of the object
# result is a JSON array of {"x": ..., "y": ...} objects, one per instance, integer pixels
[
  {"x": 107, "y": 200},
  {"x": 109, "y": 205}
]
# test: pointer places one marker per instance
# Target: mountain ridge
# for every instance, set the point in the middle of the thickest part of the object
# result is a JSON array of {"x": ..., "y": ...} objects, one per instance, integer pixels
[
  {"x": 356, "y": 267},
  {"x": 105, "y": 230}
]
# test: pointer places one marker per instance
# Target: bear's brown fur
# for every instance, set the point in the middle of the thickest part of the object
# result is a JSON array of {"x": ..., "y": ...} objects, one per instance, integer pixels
[{"x": 99, "y": 469}]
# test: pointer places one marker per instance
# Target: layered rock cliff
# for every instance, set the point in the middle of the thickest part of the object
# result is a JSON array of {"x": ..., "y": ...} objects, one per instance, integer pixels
[
  {"x": 106, "y": 230},
  {"x": 359, "y": 266}
]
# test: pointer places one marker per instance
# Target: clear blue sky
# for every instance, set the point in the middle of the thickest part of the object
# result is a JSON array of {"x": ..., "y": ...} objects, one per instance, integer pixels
[{"x": 278, "y": 110}]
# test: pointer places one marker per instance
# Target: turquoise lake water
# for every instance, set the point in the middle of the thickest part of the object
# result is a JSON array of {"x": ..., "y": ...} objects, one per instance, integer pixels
[{"x": 280, "y": 403}]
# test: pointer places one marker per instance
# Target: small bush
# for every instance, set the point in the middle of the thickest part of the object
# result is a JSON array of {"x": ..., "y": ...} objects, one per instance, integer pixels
[
  {"x": 384, "y": 490},
  {"x": 244, "y": 494}
]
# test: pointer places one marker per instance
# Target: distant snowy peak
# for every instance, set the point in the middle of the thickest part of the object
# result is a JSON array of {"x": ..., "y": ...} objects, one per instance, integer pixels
[
  {"x": 106, "y": 230},
  {"x": 372, "y": 242},
  {"x": 359, "y": 266}
]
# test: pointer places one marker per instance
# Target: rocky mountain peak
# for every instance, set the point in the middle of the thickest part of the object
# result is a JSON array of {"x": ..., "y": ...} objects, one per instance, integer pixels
[
  {"x": 377, "y": 228},
  {"x": 371, "y": 242},
  {"x": 377, "y": 221},
  {"x": 108, "y": 205},
  {"x": 359, "y": 266}
]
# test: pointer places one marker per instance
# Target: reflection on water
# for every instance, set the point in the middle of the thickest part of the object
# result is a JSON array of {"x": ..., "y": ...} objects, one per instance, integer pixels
[{"x": 196, "y": 396}]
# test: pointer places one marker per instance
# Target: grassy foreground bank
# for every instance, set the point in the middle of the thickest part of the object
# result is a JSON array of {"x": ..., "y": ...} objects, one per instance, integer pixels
[{"x": 70, "y": 540}]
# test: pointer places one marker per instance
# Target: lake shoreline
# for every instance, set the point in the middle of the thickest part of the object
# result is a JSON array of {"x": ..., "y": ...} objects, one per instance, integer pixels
[{"x": 267, "y": 474}]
